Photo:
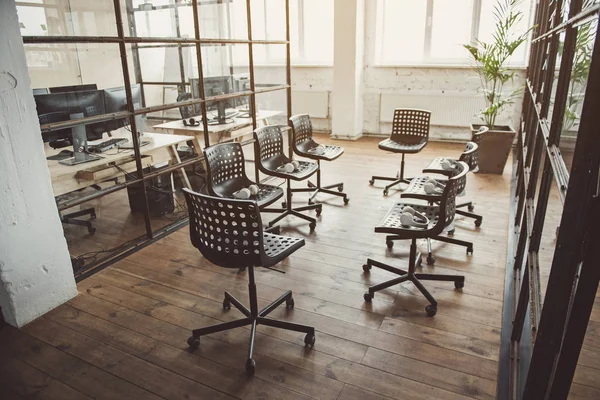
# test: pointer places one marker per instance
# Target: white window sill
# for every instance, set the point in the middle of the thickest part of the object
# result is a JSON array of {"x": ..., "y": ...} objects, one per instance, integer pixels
[{"x": 440, "y": 66}]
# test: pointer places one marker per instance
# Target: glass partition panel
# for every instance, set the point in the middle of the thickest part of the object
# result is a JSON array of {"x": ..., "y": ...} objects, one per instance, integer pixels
[
  {"x": 586, "y": 35},
  {"x": 67, "y": 18}
]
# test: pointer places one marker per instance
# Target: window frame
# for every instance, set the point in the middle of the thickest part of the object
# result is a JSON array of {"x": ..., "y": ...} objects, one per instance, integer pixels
[{"x": 433, "y": 62}]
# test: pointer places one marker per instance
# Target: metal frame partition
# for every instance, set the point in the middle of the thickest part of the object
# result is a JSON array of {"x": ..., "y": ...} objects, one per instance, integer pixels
[
  {"x": 542, "y": 340},
  {"x": 123, "y": 40}
]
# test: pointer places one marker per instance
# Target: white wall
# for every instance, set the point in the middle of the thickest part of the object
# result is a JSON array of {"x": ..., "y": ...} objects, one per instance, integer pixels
[
  {"x": 35, "y": 267},
  {"x": 400, "y": 80}
]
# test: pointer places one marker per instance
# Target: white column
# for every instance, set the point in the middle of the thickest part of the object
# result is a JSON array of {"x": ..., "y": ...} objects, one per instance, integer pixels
[
  {"x": 35, "y": 267},
  {"x": 348, "y": 66}
]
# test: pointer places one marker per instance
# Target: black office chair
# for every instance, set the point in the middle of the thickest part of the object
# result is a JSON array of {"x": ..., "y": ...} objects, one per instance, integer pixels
[
  {"x": 226, "y": 174},
  {"x": 438, "y": 218},
  {"x": 410, "y": 133},
  {"x": 302, "y": 144},
  {"x": 415, "y": 190},
  {"x": 268, "y": 148},
  {"x": 71, "y": 218},
  {"x": 229, "y": 233},
  {"x": 469, "y": 156}
]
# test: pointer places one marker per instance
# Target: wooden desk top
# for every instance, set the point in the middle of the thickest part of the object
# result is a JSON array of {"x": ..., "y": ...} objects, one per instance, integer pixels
[
  {"x": 237, "y": 123},
  {"x": 64, "y": 177}
]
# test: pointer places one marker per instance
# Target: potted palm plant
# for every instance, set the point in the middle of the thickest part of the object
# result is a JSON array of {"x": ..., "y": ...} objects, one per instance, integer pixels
[{"x": 490, "y": 60}]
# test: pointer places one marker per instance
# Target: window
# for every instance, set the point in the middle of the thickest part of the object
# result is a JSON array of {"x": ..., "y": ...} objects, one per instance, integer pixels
[
  {"x": 433, "y": 31},
  {"x": 311, "y": 31}
]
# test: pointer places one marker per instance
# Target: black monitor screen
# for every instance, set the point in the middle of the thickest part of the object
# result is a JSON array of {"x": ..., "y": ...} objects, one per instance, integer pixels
[
  {"x": 89, "y": 103},
  {"x": 115, "y": 100},
  {"x": 213, "y": 86},
  {"x": 74, "y": 88}
]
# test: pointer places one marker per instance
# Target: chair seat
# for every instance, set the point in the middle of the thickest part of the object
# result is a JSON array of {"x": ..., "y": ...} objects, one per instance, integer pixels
[
  {"x": 331, "y": 153},
  {"x": 402, "y": 147},
  {"x": 267, "y": 194},
  {"x": 277, "y": 247},
  {"x": 416, "y": 189},
  {"x": 435, "y": 167},
  {"x": 304, "y": 170},
  {"x": 391, "y": 222}
]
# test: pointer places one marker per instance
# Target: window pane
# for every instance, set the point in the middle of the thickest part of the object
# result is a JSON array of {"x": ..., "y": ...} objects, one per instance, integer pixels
[
  {"x": 451, "y": 28},
  {"x": 403, "y": 30},
  {"x": 318, "y": 31},
  {"x": 487, "y": 26}
]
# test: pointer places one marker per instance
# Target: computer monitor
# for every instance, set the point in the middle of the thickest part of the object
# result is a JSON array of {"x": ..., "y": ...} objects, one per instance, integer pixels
[
  {"x": 56, "y": 107},
  {"x": 241, "y": 83},
  {"x": 74, "y": 88},
  {"x": 115, "y": 100},
  {"x": 214, "y": 86}
]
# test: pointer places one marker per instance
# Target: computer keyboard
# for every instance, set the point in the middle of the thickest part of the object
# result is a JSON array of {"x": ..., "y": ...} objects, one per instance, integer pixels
[{"x": 106, "y": 145}]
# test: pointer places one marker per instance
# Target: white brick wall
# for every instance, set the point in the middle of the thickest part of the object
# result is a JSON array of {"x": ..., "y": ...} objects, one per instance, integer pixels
[{"x": 400, "y": 80}]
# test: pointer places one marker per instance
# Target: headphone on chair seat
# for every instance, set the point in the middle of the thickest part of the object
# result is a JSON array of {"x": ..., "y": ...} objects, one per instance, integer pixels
[
  {"x": 432, "y": 186},
  {"x": 410, "y": 217},
  {"x": 190, "y": 122}
]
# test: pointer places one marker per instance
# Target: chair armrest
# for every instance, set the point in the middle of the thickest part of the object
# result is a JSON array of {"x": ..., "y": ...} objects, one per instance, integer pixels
[{"x": 431, "y": 198}]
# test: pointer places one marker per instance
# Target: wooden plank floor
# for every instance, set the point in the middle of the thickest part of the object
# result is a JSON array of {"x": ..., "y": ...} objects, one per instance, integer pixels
[{"x": 125, "y": 335}]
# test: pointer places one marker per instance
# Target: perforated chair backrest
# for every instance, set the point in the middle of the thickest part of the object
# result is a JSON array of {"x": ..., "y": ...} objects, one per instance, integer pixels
[
  {"x": 476, "y": 136},
  {"x": 227, "y": 232},
  {"x": 454, "y": 186},
  {"x": 469, "y": 156},
  {"x": 302, "y": 133},
  {"x": 268, "y": 147},
  {"x": 410, "y": 125},
  {"x": 225, "y": 169}
]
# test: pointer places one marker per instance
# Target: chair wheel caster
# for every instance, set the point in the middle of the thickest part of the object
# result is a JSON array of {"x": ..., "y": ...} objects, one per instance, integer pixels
[
  {"x": 312, "y": 226},
  {"x": 289, "y": 303},
  {"x": 193, "y": 342},
  {"x": 319, "y": 210},
  {"x": 478, "y": 223},
  {"x": 340, "y": 188},
  {"x": 430, "y": 259},
  {"x": 451, "y": 233},
  {"x": 389, "y": 243},
  {"x": 284, "y": 205},
  {"x": 368, "y": 297},
  {"x": 226, "y": 305},
  {"x": 346, "y": 200},
  {"x": 431, "y": 310},
  {"x": 371, "y": 182},
  {"x": 250, "y": 367},
  {"x": 470, "y": 207},
  {"x": 366, "y": 267},
  {"x": 418, "y": 262},
  {"x": 385, "y": 192},
  {"x": 310, "y": 202},
  {"x": 93, "y": 215},
  {"x": 91, "y": 230},
  {"x": 459, "y": 284},
  {"x": 469, "y": 251},
  {"x": 309, "y": 339}
]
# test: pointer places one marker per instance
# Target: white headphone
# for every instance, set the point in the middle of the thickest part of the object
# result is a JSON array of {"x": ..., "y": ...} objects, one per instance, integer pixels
[
  {"x": 432, "y": 186},
  {"x": 319, "y": 150},
  {"x": 410, "y": 217},
  {"x": 245, "y": 193},
  {"x": 447, "y": 164},
  {"x": 289, "y": 167}
]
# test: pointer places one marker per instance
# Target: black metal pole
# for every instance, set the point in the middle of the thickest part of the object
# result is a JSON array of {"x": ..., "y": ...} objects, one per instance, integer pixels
[
  {"x": 130, "y": 108},
  {"x": 200, "y": 75}
]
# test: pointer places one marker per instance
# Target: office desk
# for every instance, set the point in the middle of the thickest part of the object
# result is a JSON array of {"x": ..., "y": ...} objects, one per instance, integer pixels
[
  {"x": 219, "y": 133},
  {"x": 68, "y": 178}
]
